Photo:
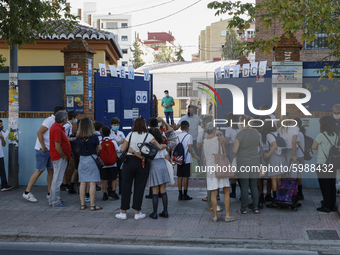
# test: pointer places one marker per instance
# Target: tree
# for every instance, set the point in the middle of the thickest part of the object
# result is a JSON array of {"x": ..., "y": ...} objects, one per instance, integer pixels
[
  {"x": 165, "y": 54},
  {"x": 230, "y": 50},
  {"x": 309, "y": 17},
  {"x": 137, "y": 60},
  {"x": 179, "y": 57},
  {"x": 22, "y": 22},
  {"x": 2, "y": 62}
]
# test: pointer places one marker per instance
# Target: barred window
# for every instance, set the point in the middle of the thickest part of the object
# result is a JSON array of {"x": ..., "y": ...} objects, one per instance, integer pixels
[
  {"x": 186, "y": 90},
  {"x": 320, "y": 42}
]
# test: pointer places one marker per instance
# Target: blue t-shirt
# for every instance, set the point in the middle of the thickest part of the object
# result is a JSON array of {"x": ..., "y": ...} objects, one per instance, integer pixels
[{"x": 87, "y": 148}]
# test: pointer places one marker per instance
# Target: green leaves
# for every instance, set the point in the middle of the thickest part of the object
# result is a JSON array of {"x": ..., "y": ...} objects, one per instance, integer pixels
[
  {"x": 137, "y": 60},
  {"x": 23, "y": 21}
]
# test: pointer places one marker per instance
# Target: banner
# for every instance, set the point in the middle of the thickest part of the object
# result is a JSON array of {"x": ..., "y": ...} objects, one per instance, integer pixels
[
  {"x": 122, "y": 72},
  {"x": 262, "y": 67},
  {"x": 131, "y": 73},
  {"x": 253, "y": 68},
  {"x": 146, "y": 75},
  {"x": 218, "y": 73},
  {"x": 227, "y": 72},
  {"x": 113, "y": 71},
  {"x": 236, "y": 71},
  {"x": 246, "y": 70},
  {"x": 102, "y": 70}
]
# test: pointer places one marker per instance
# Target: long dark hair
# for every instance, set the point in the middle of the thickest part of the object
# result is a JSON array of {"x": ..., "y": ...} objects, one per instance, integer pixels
[
  {"x": 328, "y": 125},
  {"x": 157, "y": 134},
  {"x": 234, "y": 118},
  {"x": 299, "y": 124},
  {"x": 267, "y": 128},
  {"x": 139, "y": 126}
]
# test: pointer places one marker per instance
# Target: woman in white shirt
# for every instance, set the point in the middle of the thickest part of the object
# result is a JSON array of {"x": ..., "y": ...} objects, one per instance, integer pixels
[{"x": 135, "y": 169}]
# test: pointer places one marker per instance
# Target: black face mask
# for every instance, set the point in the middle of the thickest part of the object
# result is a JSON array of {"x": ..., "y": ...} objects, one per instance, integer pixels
[{"x": 190, "y": 114}]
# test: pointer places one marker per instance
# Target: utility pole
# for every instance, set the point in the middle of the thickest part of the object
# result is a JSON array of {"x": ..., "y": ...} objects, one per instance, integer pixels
[{"x": 13, "y": 118}]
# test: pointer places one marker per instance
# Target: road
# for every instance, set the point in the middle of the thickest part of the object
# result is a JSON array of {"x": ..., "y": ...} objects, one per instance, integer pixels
[{"x": 25, "y": 248}]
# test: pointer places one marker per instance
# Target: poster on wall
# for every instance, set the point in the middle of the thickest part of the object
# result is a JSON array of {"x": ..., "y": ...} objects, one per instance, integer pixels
[
  {"x": 75, "y": 103},
  {"x": 74, "y": 85},
  {"x": 90, "y": 79}
]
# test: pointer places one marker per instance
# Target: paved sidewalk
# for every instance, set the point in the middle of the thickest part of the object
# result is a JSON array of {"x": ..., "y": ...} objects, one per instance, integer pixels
[{"x": 188, "y": 219}]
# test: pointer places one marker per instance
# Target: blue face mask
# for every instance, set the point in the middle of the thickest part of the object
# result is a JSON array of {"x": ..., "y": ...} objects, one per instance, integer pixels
[
  {"x": 75, "y": 121},
  {"x": 166, "y": 95},
  {"x": 115, "y": 128}
]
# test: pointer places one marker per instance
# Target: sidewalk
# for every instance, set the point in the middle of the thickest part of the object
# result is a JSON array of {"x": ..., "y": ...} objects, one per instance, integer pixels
[{"x": 189, "y": 220}]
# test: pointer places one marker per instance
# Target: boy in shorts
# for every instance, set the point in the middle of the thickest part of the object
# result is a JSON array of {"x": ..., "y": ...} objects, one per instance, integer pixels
[
  {"x": 109, "y": 172},
  {"x": 183, "y": 171}
]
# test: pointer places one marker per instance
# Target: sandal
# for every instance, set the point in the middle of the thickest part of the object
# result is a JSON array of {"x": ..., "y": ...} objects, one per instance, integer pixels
[
  {"x": 256, "y": 211},
  {"x": 229, "y": 219},
  {"x": 214, "y": 219},
  {"x": 83, "y": 207},
  {"x": 242, "y": 211},
  {"x": 96, "y": 207}
]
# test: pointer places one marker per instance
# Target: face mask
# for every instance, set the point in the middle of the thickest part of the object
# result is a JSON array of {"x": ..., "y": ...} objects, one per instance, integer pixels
[
  {"x": 75, "y": 121},
  {"x": 115, "y": 128},
  {"x": 190, "y": 114},
  {"x": 239, "y": 126},
  {"x": 159, "y": 124},
  {"x": 336, "y": 116},
  {"x": 166, "y": 95}
]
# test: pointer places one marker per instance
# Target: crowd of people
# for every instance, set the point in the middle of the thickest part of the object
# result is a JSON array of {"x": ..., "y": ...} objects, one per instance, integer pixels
[{"x": 242, "y": 144}]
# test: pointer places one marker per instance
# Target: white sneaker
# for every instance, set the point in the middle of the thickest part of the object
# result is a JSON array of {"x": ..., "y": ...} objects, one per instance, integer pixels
[
  {"x": 48, "y": 200},
  {"x": 140, "y": 216},
  {"x": 29, "y": 197},
  {"x": 121, "y": 216},
  {"x": 219, "y": 209}
]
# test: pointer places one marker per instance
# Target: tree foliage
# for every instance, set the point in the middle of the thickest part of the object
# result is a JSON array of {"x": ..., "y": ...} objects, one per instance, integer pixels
[
  {"x": 179, "y": 57},
  {"x": 311, "y": 17},
  {"x": 165, "y": 54},
  {"x": 230, "y": 50},
  {"x": 2, "y": 62},
  {"x": 23, "y": 21},
  {"x": 137, "y": 60}
]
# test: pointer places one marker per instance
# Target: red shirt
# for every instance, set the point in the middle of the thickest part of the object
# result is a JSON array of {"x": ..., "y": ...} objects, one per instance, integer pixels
[{"x": 57, "y": 134}]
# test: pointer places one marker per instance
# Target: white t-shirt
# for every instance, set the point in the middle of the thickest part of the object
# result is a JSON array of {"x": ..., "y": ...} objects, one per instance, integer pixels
[
  {"x": 117, "y": 137},
  {"x": 301, "y": 140},
  {"x": 116, "y": 147},
  {"x": 200, "y": 136},
  {"x": 288, "y": 136},
  {"x": 68, "y": 128},
  {"x": 272, "y": 116},
  {"x": 194, "y": 121},
  {"x": 100, "y": 136},
  {"x": 270, "y": 139},
  {"x": 231, "y": 133},
  {"x": 1, "y": 151},
  {"x": 161, "y": 154},
  {"x": 48, "y": 122},
  {"x": 138, "y": 139},
  {"x": 186, "y": 142}
]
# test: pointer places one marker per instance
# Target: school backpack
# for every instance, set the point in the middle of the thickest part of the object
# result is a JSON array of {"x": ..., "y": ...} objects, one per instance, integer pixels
[
  {"x": 287, "y": 194},
  {"x": 108, "y": 153},
  {"x": 307, "y": 152},
  {"x": 281, "y": 145},
  {"x": 178, "y": 156},
  {"x": 334, "y": 154}
]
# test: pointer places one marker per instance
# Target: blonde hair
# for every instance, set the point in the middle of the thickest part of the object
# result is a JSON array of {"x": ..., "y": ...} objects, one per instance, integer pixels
[
  {"x": 86, "y": 128},
  {"x": 160, "y": 119},
  {"x": 284, "y": 129}
]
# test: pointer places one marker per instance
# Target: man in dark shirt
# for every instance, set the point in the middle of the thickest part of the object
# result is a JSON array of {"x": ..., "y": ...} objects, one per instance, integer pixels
[{"x": 60, "y": 151}]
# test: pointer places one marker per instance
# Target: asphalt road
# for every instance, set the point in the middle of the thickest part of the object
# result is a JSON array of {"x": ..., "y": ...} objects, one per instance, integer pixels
[{"x": 17, "y": 248}]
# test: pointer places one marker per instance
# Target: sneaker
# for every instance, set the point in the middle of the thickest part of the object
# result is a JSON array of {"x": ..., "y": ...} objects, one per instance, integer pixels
[
  {"x": 60, "y": 205},
  {"x": 87, "y": 199},
  {"x": 105, "y": 197},
  {"x": 115, "y": 196},
  {"x": 62, "y": 187},
  {"x": 268, "y": 198},
  {"x": 6, "y": 187},
  {"x": 72, "y": 191},
  {"x": 48, "y": 200},
  {"x": 323, "y": 209},
  {"x": 140, "y": 216},
  {"x": 219, "y": 209},
  {"x": 186, "y": 197},
  {"x": 121, "y": 216},
  {"x": 29, "y": 197}
]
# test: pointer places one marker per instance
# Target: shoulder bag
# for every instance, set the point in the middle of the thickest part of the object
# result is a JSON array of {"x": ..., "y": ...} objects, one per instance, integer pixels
[
  {"x": 148, "y": 150},
  {"x": 123, "y": 157},
  {"x": 223, "y": 168}
]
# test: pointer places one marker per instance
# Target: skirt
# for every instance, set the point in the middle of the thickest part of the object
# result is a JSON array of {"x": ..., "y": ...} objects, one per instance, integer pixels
[
  {"x": 88, "y": 170},
  {"x": 275, "y": 162},
  {"x": 215, "y": 183},
  {"x": 159, "y": 173}
]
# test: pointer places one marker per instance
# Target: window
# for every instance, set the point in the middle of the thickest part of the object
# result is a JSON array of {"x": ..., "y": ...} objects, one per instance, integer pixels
[
  {"x": 124, "y": 38},
  {"x": 124, "y": 63},
  {"x": 186, "y": 90},
  {"x": 124, "y": 25},
  {"x": 183, "y": 107},
  {"x": 125, "y": 51},
  {"x": 223, "y": 33},
  {"x": 320, "y": 42},
  {"x": 112, "y": 25}
]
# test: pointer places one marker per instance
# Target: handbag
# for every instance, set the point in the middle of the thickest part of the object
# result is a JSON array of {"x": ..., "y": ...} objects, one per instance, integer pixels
[
  {"x": 123, "y": 156},
  {"x": 148, "y": 150},
  {"x": 98, "y": 162},
  {"x": 223, "y": 167}
]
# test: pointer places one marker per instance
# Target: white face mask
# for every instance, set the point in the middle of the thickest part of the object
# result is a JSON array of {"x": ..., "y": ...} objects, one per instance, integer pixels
[
  {"x": 239, "y": 126},
  {"x": 336, "y": 116},
  {"x": 159, "y": 124}
]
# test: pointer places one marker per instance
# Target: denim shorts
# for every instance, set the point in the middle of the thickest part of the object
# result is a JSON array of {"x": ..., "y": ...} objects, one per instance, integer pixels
[{"x": 43, "y": 160}]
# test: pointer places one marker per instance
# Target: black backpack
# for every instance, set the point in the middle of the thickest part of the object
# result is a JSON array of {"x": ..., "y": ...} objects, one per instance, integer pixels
[
  {"x": 178, "y": 156},
  {"x": 334, "y": 154},
  {"x": 307, "y": 152}
]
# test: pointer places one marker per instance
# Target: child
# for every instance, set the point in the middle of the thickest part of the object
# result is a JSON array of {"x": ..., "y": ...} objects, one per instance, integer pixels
[
  {"x": 109, "y": 171},
  {"x": 4, "y": 184},
  {"x": 119, "y": 137},
  {"x": 183, "y": 171}
]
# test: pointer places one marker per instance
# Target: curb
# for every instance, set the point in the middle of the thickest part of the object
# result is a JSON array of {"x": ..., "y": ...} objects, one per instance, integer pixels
[{"x": 157, "y": 241}]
